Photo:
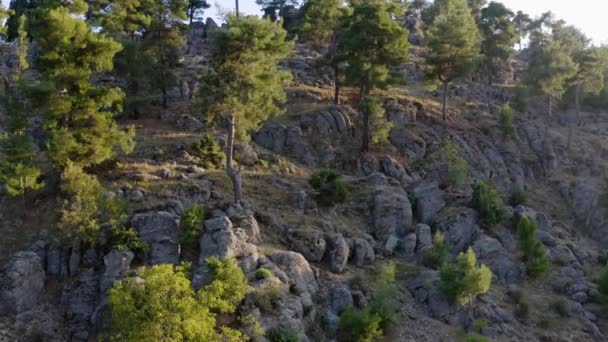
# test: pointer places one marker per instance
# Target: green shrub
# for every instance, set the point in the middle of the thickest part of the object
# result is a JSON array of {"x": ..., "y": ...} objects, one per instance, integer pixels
[
  {"x": 533, "y": 251},
  {"x": 486, "y": 201},
  {"x": 329, "y": 186},
  {"x": 602, "y": 284},
  {"x": 359, "y": 326},
  {"x": 522, "y": 308},
  {"x": 209, "y": 151},
  {"x": 164, "y": 306},
  {"x": 262, "y": 273},
  {"x": 266, "y": 297},
  {"x": 505, "y": 121},
  {"x": 480, "y": 324},
  {"x": 282, "y": 335},
  {"x": 81, "y": 208},
  {"x": 518, "y": 197},
  {"x": 458, "y": 168},
  {"x": 192, "y": 223},
  {"x": 520, "y": 100},
  {"x": 477, "y": 338},
  {"x": 462, "y": 282},
  {"x": 383, "y": 301},
  {"x": 127, "y": 238},
  {"x": 437, "y": 256}
]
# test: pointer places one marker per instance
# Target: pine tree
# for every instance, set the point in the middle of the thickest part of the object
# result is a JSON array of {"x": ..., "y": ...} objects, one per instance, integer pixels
[
  {"x": 476, "y": 7},
  {"x": 453, "y": 41},
  {"x": 18, "y": 169},
  {"x": 18, "y": 8},
  {"x": 247, "y": 86},
  {"x": 80, "y": 116},
  {"x": 320, "y": 25},
  {"x": 372, "y": 42},
  {"x": 273, "y": 8},
  {"x": 464, "y": 281},
  {"x": 550, "y": 66},
  {"x": 533, "y": 251},
  {"x": 195, "y": 10},
  {"x": 498, "y": 37},
  {"x": 505, "y": 122},
  {"x": 380, "y": 127},
  {"x": 522, "y": 23}
]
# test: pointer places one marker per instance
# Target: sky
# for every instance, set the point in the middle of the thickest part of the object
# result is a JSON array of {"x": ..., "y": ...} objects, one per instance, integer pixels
[{"x": 588, "y": 15}]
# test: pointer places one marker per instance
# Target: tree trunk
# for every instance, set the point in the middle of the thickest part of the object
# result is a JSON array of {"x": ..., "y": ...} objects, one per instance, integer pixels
[
  {"x": 237, "y": 8},
  {"x": 445, "y": 101},
  {"x": 165, "y": 102},
  {"x": 336, "y": 84},
  {"x": 233, "y": 174},
  {"x": 366, "y": 133}
]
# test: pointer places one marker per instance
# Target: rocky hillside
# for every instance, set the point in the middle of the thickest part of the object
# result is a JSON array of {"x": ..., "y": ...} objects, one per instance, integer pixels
[{"x": 324, "y": 260}]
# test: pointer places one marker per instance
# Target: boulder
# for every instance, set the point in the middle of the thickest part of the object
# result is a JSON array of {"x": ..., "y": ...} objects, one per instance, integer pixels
[
  {"x": 117, "y": 265},
  {"x": 506, "y": 270},
  {"x": 459, "y": 225},
  {"x": 429, "y": 200},
  {"x": 21, "y": 283},
  {"x": 298, "y": 270},
  {"x": 424, "y": 238},
  {"x": 160, "y": 231},
  {"x": 297, "y": 199},
  {"x": 137, "y": 195},
  {"x": 408, "y": 245},
  {"x": 80, "y": 298},
  {"x": 250, "y": 225},
  {"x": 339, "y": 298},
  {"x": 394, "y": 169},
  {"x": 391, "y": 213},
  {"x": 311, "y": 243},
  {"x": 391, "y": 244},
  {"x": 188, "y": 123},
  {"x": 338, "y": 252},
  {"x": 361, "y": 252}
]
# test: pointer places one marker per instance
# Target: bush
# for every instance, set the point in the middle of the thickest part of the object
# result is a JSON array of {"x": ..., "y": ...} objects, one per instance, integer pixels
[
  {"x": 458, "y": 168},
  {"x": 505, "y": 121},
  {"x": 520, "y": 100},
  {"x": 80, "y": 210},
  {"x": 359, "y": 326},
  {"x": 533, "y": 251},
  {"x": 262, "y": 273},
  {"x": 266, "y": 297},
  {"x": 437, "y": 256},
  {"x": 602, "y": 284},
  {"x": 127, "y": 238},
  {"x": 381, "y": 127},
  {"x": 329, "y": 186},
  {"x": 164, "y": 306},
  {"x": 192, "y": 223},
  {"x": 480, "y": 324},
  {"x": 282, "y": 335},
  {"x": 486, "y": 201},
  {"x": 462, "y": 282},
  {"x": 518, "y": 197},
  {"x": 477, "y": 338},
  {"x": 522, "y": 308},
  {"x": 383, "y": 301},
  {"x": 209, "y": 151}
]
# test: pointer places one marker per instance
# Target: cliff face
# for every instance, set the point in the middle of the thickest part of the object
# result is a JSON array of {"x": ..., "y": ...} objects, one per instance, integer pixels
[{"x": 323, "y": 260}]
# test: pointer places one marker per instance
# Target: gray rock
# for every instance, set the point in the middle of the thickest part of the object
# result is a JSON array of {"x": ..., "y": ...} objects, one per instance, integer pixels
[
  {"x": 250, "y": 225},
  {"x": 506, "y": 270},
  {"x": 188, "y": 123},
  {"x": 117, "y": 265},
  {"x": 429, "y": 200},
  {"x": 298, "y": 270},
  {"x": 311, "y": 243},
  {"x": 297, "y": 199},
  {"x": 361, "y": 252},
  {"x": 408, "y": 245},
  {"x": 160, "y": 232},
  {"x": 394, "y": 169},
  {"x": 391, "y": 244},
  {"x": 21, "y": 283},
  {"x": 246, "y": 155},
  {"x": 459, "y": 225},
  {"x": 137, "y": 195},
  {"x": 74, "y": 263},
  {"x": 339, "y": 299},
  {"x": 80, "y": 299},
  {"x": 53, "y": 258},
  {"x": 391, "y": 213},
  {"x": 338, "y": 253},
  {"x": 424, "y": 238}
]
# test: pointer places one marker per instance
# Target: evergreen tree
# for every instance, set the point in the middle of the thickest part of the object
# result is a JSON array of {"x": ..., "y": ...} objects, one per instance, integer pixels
[
  {"x": 453, "y": 41},
  {"x": 476, "y": 7},
  {"x": 522, "y": 23},
  {"x": 80, "y": 115},
  {"x": 18, "y": 9},
  {"x": 380, "y": 127},
  {"x": 498, "y": 37},
  {"x": 464, "y": 281},
  {"x": 505, "y": 122},
  {"x": 550, "y": 65},
  {"x": 533, "y": 251},
  {"x": 372, "y": 42},
  {"x": 320, "y": 25},
  {"x": 195, "y": 10},
  {"x": 247, "y": 86},
  {"x": 18, "y": 169}
]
